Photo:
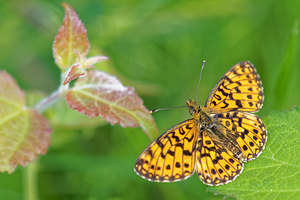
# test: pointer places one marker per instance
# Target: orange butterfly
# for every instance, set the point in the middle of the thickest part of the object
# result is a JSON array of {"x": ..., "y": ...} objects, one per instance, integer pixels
[{"x": 217, "y": 140}]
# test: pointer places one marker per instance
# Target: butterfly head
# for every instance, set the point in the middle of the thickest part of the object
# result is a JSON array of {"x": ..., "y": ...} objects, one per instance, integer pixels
[{"x": 193, "y": 106}]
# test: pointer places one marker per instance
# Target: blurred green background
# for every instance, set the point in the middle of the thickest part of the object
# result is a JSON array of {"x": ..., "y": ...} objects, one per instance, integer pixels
[{"x": 156, "y": 46}]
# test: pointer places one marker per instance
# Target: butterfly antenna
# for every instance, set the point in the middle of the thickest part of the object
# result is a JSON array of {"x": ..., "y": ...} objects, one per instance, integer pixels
[
  {"x": 155, "y": 110},
  {"x": 202, "y": 66}
]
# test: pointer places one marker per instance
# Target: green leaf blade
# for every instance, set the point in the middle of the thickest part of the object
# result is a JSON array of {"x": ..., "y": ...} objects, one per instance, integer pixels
[
  {"x": 276, "y": 173},
  {"x": 288, "y": 67}
]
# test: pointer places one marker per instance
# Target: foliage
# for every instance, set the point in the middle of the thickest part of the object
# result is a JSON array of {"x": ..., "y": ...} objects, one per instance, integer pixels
[
  {"x": 26, "y": 134},
  {"x": 276, "y": 174},
  {"x": 95, "y": 93},
  {"x": 157, "y": 47}
]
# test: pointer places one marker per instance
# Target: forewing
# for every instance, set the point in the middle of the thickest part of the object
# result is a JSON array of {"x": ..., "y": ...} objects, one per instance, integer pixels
[
  {"x": 171, "y": 157},
  {"x": 250, "y": 131},
  {"x": 240, "y": 89},
  {"x": 215, "y": 165}
]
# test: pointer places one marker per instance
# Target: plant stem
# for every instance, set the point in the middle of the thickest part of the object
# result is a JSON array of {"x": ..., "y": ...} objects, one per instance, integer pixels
[
  {"x": 30, "y": 181},
  {"x": 48, "y": 101}
]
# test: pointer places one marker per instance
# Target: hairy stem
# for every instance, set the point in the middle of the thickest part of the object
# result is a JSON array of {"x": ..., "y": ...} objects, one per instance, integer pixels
[{"x": 52, "y": 98}]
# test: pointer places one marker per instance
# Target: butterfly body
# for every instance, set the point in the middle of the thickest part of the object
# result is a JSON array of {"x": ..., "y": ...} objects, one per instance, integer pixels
[{"x": 218, "y": 138}]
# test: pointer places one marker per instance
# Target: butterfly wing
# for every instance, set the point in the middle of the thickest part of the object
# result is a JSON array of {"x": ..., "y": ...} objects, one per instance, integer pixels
[
  {"x": 240, "y": 89},
  {"x": 215, "y": 165},
  {"x": 248, "y": 129},
  {"x": 171, "y": 156}
]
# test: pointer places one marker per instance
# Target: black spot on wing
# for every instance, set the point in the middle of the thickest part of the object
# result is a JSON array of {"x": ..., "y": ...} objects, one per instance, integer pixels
[{"x": 239, "y": 103}]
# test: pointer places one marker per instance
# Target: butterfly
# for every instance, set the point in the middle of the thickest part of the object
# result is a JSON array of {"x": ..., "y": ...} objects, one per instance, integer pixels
[{"x": 219, "y": 137}]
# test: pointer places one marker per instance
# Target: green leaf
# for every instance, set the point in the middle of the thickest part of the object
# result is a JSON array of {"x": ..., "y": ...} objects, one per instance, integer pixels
[
  {"x": 287, "y": 68},
  {"x": 276, "y": 173}
]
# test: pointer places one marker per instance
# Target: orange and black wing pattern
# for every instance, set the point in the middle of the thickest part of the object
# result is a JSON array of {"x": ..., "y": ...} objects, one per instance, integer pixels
[
  {"x": 240, "y": 89},
  {"x": 171, "y": 157},
  {"x": 217, "y": 140},
  {"x": 249, "y": 130},
  {"x": 215, "y": 165}
]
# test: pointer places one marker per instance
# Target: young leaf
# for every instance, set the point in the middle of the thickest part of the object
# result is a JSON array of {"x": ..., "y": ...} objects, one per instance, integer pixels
[
  {"x": 24, "y": 133},
  {"x": 99, "y": 93},
  {"x": 79, "y": 69},
  {"x": 71, "y": 38},
  {"x": 276, "y": 173},
  {"x": 75, "y": 72},
  {"x": 94, "y": 59}
]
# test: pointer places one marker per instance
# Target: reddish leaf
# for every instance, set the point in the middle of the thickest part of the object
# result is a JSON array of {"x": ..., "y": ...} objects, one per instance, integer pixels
[
  {"x": 64, "y": 118},
  {"x": 71, "y": 38},
  {"x": 79, "y": 69},
  {"x": 99, "y": 93},
  {"x": 24, "y": 133},
  {"x": 31, "y": 139},
  {"x": 75, "y": 72}
]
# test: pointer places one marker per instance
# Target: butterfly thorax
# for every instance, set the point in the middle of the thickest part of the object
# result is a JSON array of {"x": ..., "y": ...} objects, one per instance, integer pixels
[
  {"x": 213, "y": 127},
  {"x": 199, "y": 113}
]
